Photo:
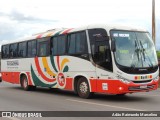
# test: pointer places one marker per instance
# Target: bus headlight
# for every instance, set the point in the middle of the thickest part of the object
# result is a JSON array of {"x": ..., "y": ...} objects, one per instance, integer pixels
[
  {"x": 124, "y": 80},
  {"x": 156, "y": 79}
]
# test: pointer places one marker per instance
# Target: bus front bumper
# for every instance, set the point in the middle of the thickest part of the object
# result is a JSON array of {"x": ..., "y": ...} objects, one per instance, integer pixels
[{"x": 118, "y": 87}]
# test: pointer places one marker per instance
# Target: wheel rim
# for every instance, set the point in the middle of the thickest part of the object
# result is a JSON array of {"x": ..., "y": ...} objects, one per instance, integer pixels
[
  {"x": 83, "y": 87},
  {"x": 25, "y": 83}
]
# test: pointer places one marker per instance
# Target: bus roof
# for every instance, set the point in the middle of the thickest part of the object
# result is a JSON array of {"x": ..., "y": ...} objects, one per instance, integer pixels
[{"x": 59, "y": 31}]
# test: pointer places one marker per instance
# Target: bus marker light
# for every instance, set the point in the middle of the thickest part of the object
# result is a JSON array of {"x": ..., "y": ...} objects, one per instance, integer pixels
[
  {"x": 150, "y": 76},
  {"x": 135, "y": 77}
]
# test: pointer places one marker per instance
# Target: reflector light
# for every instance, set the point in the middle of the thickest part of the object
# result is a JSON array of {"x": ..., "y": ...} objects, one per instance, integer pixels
[
  {"x": 135, "y": 77},
  {"x": 150, "y": 76}
]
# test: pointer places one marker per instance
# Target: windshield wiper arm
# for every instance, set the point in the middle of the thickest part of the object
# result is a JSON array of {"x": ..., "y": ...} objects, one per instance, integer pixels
[
  {"x": 142, "y": 50},
  {"x": 137, "y": 49}
]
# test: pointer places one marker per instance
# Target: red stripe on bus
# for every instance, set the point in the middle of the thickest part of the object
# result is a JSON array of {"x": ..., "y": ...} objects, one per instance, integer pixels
[
  {"x": 41, "y": 73},
  {"x": 12, "y": 77},
  {"x": 29, "y": 79},
  {"x": 39, "y": 36},
  {"x": 66, "y": 31},
  {"x": 58, "y": 62},
  {"x": 69, "y": 84}
]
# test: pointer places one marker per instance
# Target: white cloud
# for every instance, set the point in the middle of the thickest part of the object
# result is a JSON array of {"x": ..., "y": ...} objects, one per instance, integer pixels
[
  {"x": 19, "y": 18},
  {"x": 90, "y": 10}
]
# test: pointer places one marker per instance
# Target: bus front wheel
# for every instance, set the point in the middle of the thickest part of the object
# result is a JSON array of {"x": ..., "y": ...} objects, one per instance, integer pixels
[
  {"x": 83, "y": 89},
  {"x": 121, "y": 94}
]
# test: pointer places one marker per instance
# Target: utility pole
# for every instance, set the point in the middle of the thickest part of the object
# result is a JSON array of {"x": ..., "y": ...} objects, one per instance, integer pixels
[{"x": 153, "y": 22}]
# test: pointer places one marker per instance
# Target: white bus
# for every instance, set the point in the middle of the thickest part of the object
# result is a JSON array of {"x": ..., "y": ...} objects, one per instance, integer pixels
[{"x": 106, "y": 59}]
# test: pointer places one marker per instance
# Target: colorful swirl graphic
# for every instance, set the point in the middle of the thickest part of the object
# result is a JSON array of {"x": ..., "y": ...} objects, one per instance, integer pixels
[{"x": 55, "y": 73}]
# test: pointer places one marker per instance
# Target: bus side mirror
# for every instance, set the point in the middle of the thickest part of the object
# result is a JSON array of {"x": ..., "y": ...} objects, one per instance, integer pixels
[{"x": 113, "y": 46}]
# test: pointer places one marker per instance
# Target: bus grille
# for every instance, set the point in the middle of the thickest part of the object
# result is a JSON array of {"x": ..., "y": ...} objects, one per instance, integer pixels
[
  {"x": 146, "y": 81},
  {"x": 138, "y": 88}
]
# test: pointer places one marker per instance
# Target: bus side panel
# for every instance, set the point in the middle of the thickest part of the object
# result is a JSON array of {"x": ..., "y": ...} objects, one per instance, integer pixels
[
  {"x": 6, "y": 77},
  {"x": 69, "y": 84},
  {"x": 12, "y": 77},
  {"x": 107, "y": 86},
  {"x": 15, "y": 76},
  {"x": 93, "y": 84}
]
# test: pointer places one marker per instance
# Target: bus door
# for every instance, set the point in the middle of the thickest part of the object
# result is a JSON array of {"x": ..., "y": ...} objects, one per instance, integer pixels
[{"x": 101, "y": 55}]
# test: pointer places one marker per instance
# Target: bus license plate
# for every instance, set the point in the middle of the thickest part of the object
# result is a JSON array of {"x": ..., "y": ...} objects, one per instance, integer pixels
[{"x": 144, "y": 86}]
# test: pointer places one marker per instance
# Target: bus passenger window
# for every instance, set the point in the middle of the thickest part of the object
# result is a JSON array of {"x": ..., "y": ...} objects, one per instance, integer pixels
[
  {"x": 43, "y": 49},
  {"x": 81, "y": 43},
  {"x": 58, "y": 45},
  {"x": 72, "y": 44},
  {"x": 22, "y": 49},
  {"x": 54, "y": 46},
  {"x": 61, "y": 45},
  {"x": 31, "y": 49},
  {"x": 13, "y": 50},
  {"x": 5, "y": 51},
  {"x": 77, "y": 43}
]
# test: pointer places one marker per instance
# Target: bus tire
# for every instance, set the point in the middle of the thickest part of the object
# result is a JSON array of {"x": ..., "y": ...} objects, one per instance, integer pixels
[
  {"x": 33, "y": 88},
  {"x": 121, "y": 94},
  {"x": 83, "y": 89},
  {"x": 53, "y": 89},
  {"x": 24, "y": 83}
]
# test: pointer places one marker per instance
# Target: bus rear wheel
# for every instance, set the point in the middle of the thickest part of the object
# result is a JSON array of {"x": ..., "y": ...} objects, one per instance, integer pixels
[
  {"x": 83, "y": 89},
  {"x": 24, "y": 84}
]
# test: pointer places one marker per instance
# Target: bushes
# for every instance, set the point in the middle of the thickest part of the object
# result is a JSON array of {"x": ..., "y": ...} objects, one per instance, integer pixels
[{"x": 158, "y": 54}]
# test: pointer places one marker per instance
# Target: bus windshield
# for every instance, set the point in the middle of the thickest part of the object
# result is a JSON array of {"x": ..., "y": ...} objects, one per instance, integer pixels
[{"x": 134, "y": 49}]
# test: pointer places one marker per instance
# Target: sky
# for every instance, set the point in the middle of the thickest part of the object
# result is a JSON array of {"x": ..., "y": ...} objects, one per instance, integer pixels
[{"x": 22, "y": 18}]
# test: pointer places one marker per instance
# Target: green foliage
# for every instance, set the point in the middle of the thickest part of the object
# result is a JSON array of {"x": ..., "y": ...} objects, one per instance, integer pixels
[{"x": 158, "y": 54}]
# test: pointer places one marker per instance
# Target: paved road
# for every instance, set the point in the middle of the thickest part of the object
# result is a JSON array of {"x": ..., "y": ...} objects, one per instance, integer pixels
[{"x": 13, "y": 98}]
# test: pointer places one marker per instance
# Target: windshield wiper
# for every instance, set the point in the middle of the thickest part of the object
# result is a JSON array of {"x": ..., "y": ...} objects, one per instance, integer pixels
[
  {"x": 137, "y": 52},
  {"x": 144, "y": 52},
  {"x": 137, "y": 49}
]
